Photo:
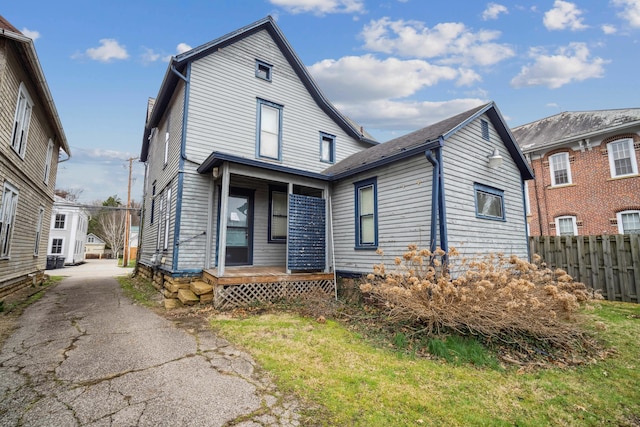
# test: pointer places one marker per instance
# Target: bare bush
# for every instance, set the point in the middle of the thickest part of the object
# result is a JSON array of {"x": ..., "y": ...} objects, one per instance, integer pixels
[{"x": 503, "y": 300}]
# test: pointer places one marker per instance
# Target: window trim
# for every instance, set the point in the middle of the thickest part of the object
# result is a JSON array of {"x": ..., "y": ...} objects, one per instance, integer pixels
[
  {"x": 482, "y": 188},
  {"x": 332, "y": 147},
  {"x": 619, "y": 218},
  {"x": 167, "y": 219},
  {"x": 63, "y": 221},
  {"x": 268, "y": 70},
  {"x": 565, "y": 154},
  {"x": 10, "y": 213},
  {"x": 167, "y": 137},
  {"x": 373, "y": 183},
  {"x": 53, "y": 239},
  {"x": 47, "y": 162},
  {"x": 40, "y": 221},
  {"x": 574, "y": 223},
  {"x": 632, "y": 158},
  {"x": 21, "y": 121},
  {"x": 484, "y": 126},
  {"x": 279, "y": 108},
  {"x": 285, "y": 191}
]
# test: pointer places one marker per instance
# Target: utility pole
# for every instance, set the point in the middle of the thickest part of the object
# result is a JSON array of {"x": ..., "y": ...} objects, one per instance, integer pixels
[{"x": 127, "y": 218}]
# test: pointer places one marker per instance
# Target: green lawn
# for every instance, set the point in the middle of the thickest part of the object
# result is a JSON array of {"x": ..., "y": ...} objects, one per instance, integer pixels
[{"x": 357, "y": 383}]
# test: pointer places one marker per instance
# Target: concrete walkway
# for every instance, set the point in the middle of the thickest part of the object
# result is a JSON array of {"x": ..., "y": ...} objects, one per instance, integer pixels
[{"x": 84, "y": 355}]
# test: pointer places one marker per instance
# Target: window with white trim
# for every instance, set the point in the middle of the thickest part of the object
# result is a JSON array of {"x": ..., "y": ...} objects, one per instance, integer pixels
[
  {"x": 167, "y": 218},
  {"x": 278, "y": 214},
  {"x": 489, "y": 202},
  {"x": 629, "y": 222},
  {"x": 366, "y": 214},
  {"x": 59, "y": 221},
  {"x": 327, "y": 148},
  {"x": 566, "y": 226},
  {"x": 7, "y": 218},
  {"x": 47, "y": 162},
  {"x": 622, "y": 158},
  {"x": 21, "y": 121},
  {"x": 161, "y": 210},
  {"x": 527, "y": 200},
  {"x": 36, "y": 246},
  {"x": 56, "y": 246},
  {"x": 167, "y": 135},
  {"x": 560, "y": 169},
  {"x": 269, "y": 130}
]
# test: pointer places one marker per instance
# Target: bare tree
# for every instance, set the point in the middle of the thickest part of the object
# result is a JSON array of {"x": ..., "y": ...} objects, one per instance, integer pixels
[{"x": 111, "y": 225}]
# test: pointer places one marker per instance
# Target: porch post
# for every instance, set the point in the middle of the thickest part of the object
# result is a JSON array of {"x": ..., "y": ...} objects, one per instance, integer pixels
[
  {"x": 328, "y": 230},
  {"x": 224, "y": 208},
  {"x": 289, "y": 191}
]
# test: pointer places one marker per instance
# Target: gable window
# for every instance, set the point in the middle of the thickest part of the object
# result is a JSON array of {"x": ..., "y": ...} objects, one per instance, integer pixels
[
  {"x": 622, "y": 158},
  {"x": 56, "y": 246},
  {"x": 59, "y": 221},
  {"x": 91, "y": 239},
  {"x": 269, "y": 129},
  {"x": 263, "y": 70},
  {"x": 327, "y": 148},
  {"x": 485, "y": 129},
  {"x": 166, "y": 140},
  {"x": 21, "y": 121},
  {"x": 36, "y": 246},
  {"x": 366, "y": 205},
  {"x": 566, "y": 226},
  {"x": 489, "y": 202},
  {"x": 47, "y": 162},
  {"x": 277, "y": 214},
  {"x": 7, "y": 218},
  {"x": 560, "y": 169},
  {"x": 629, "y": 222}
]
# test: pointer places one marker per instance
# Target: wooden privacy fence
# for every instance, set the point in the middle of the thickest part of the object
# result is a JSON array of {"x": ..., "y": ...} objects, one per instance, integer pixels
[{"x": 609, "y": 263}]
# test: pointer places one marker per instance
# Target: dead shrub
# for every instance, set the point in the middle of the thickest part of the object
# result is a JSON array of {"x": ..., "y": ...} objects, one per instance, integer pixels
[{"x": 504, "y": 301}]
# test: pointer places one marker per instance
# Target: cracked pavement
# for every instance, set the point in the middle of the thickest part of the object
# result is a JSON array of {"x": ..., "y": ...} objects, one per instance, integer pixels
[{"x": 84, "y": 355}]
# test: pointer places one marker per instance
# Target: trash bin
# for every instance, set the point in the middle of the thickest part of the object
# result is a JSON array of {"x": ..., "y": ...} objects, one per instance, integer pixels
[
  {"x": 51, "y": 262},
  {"x": 60, "y": 262}
]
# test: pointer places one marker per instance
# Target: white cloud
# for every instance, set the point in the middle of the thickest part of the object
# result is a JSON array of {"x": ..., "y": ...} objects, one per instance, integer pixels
[
  {"x": 493, "y": 10},
  {"x": 321, "y": 7},
  {"x": 609, "y": 29},
  {"x": 182, "y": 48},
  {"x": 630, "y": 11},
  {"x": 108, "y": 50},
  {"x": 450, "y": 42},
  {"x": 150, "y": 55},
  {"x": 563, "y": 15},
  {"x": 32, "y": 34},
  {"x": 467, "y": 77},
  {"x": 570, "y": 64}
]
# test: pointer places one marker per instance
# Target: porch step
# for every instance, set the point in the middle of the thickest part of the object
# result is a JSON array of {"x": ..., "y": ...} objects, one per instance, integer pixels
[
  {"x": 187, "y": 297},
  {"x": 199, "y": 287}
]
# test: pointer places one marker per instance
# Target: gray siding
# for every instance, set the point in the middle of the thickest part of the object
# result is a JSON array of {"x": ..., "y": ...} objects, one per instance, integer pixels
[
  {"x": 465, "y": 163},
  {"x": 223, "y": 102},
  {"x": 404, "y": 214}
]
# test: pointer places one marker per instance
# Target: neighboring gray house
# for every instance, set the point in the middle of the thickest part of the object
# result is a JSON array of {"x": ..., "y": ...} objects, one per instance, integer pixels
[
  {"x": 68, "y": 232},
  {"x": 248, "y": 164}
]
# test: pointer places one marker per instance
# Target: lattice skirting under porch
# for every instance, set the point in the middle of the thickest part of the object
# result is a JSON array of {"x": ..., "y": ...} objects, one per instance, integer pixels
[{"x": 229, "y": 296}]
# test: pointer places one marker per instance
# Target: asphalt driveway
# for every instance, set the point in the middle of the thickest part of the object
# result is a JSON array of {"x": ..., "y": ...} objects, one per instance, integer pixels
[{"x": 84, "y": 355}]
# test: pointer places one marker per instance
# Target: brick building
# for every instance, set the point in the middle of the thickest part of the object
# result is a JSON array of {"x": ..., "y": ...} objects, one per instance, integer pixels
[{"x": 586, "y": 169}]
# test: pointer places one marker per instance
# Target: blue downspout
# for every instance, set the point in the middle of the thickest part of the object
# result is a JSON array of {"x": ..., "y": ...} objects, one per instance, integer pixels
[
  {"x": 444, "y": 238},
  {"x": 183, "y": 156},
  {"x": 526, "y": 229},
  {"x": 434, "y": 199}
]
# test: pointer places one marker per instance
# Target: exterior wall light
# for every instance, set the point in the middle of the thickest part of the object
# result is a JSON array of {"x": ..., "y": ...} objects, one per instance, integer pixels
[{"x": 495, "y": 159}]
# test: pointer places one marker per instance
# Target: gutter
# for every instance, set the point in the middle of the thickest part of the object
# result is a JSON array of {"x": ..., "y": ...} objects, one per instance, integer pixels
[{"x": 438, "y": 205}]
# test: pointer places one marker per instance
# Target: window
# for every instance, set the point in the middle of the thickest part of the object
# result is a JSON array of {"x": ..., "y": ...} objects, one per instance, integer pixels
[
  {"x": 159, "y": 235},
  {"x": 366, "y": 214},
  {"x": 566, "y": 226},
  {"x": 485, "y": 129},
  {"x": 622, "y": 158},
  {"x": 278, "y": 214},
  {"x": 153, "y": 202},
  {"x": 166, "y": 140},
  {"x": 7, "y": 218},
  {"x": 59, "y": 221},
  {"x": 327, "y": 148},
  {"x": 21, "y": 121},
  {"x": 527, "y": 201},
  {"x": 269, "y": 126},
  {"x": 560, "y": 169},
  {"x": 167, "y": 217},
  {"x": 56, "y": 246},
  {"x": 489, "y": 202},
  {"x": 47, "y": 162},
  {"x": 629, "y": 222},
  {"x": 263, "y": 70},
  {"x": 91, "y": 239},
  {"x": 36, "y": 247}
]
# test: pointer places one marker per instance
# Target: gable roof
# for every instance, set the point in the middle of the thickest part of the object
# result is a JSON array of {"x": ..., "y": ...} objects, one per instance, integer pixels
[
  {"x": 573, "y": 126},
  {"x": 99, "y": 240},
  {"x": 423, "y": 139},
  {"x": 177, "y": 65},
  {"x": 27, "y": 50}
]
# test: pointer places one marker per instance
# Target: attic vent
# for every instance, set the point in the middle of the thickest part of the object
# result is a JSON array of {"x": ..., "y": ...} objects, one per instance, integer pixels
[
  {"x": 485, "y": 129},
  {"x": 263, "y": 70}
]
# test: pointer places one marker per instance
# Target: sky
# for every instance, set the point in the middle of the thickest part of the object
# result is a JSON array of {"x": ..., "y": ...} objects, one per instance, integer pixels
[{"x": 393, "y": 66}]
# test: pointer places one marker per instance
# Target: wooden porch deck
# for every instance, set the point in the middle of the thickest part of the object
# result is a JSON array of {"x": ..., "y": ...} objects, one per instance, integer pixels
[{"x": 259, "y": 274}]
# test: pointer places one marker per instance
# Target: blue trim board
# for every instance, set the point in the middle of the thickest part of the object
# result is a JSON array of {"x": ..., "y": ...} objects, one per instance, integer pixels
[{"x": 373, "y": 182}]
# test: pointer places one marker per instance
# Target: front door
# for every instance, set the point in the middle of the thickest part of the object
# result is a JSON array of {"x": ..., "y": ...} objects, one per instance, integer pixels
[{"x": 239, "y": 229}]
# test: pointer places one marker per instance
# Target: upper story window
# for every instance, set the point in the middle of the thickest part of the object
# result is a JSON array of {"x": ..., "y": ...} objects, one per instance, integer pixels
[
  {"x": 8, "y": 207},
  {"x": 560, "y": 169},
  {"x": 489, "y": 202},
  {"x": 269, "y": 130},
  {"x": 566, "y": 226},
  {"x": 485, "y": 129},
  {"x": 47, "y": 162},
  {"x": 263, "y": 70},
  {"x": 327, "y": 148},
  {"x": 629, "y": 222},
  {"x": 21, "y": 121},
  {"x": 59, "y": 221},
  {"x": 622, "y": 158},
  {"x": 91, "y": 239},
  {"x": 277, "y": 214},
  {"x": 366, "y": 214},
  {"x": 167, "y": 135}
]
